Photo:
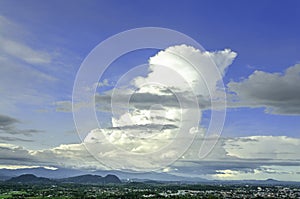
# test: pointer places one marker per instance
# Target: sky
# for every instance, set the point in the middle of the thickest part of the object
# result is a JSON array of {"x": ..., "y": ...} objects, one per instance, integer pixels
[{"x": 254, "y": 45}]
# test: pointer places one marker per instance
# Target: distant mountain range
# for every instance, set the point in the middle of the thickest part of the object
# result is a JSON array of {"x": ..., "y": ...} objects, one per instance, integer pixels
[
  {"x": 92, "y": 179},
  {"x": 43, "y": 175},
  {"x": 29, "y": 179},
  {"x": 41, "y": 172},
  {"x": 66, "y": 173},
  {"x": 83, "y": 179}
]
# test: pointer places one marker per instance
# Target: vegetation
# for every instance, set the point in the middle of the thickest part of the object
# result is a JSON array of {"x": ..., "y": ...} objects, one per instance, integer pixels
[{"x": 143, "y": 190}]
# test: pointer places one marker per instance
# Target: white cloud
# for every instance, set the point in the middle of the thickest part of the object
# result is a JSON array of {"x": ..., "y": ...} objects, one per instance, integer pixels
[
  {"x": 14, "y": 167},
  {"x": 155, "y": 117},
  {"x": 264, "y": 147},
  {"x": 139, "y": 131},
  {"x": 69, "y": 156},
  {"x": 104, "y": 83},
  {"x": 186, "y": 67},
  {"x": 285, "y": 173},
  {"x": 190, "y": 74},
  {"x": 12, "y": 154},
  {"x": 255, "y": 157}
]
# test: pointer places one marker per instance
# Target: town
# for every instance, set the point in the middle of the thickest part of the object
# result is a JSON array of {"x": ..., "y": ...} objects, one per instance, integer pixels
[{"x": 146, "y": 190}]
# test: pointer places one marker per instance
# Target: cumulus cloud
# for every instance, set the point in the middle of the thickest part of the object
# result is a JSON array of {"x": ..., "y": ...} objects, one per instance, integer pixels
[
  {"x": 254, "y": 157},
  {"x": 264, "y": 147},
  {"x": 279, "y": 93},
  {"x": 186, "y": 67},
  {"x": 267, "y": 171},
  {"x": 191, "y": 73},
  {"x": 67, "y": 155},
  {"x": 12, "y": 154},
  {"x": 155, "y": 115},
  {"x": 232, "y": 158}
]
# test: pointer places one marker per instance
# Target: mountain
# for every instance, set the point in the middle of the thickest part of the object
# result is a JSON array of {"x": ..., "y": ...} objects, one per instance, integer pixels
[
  {"x": 270, "y": 182},
  {"x": 264, "y": 182},
  {"x": 92, "y": 179},
  {"x": 4, "y": 177},
  {"x": 145, "y": 176},
  {"x": 111, "y": 179},
  {"x": 91, "y": 176},
  {"x": 29, "y": 179},
  {"x": 83, "y": 179},
  {"x": 66, "y": 173},
  {"x": 42, "y": 172}
]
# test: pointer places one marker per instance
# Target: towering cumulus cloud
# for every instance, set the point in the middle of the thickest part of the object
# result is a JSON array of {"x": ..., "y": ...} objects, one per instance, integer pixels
[{"x": 156, "y": 116}]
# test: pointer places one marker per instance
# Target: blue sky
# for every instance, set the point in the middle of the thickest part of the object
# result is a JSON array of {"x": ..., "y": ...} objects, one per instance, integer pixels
[{"x": 36, "y": 93}]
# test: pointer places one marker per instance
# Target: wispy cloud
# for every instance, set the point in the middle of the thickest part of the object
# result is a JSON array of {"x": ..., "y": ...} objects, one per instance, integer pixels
[
  {"x": 22, "y": 71},
  {"x": 8, "y": 125},
  {"x": 14, "y": 46},
  {"x": 13, "y": 139},
  {"x": 23, "y": 52}
]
